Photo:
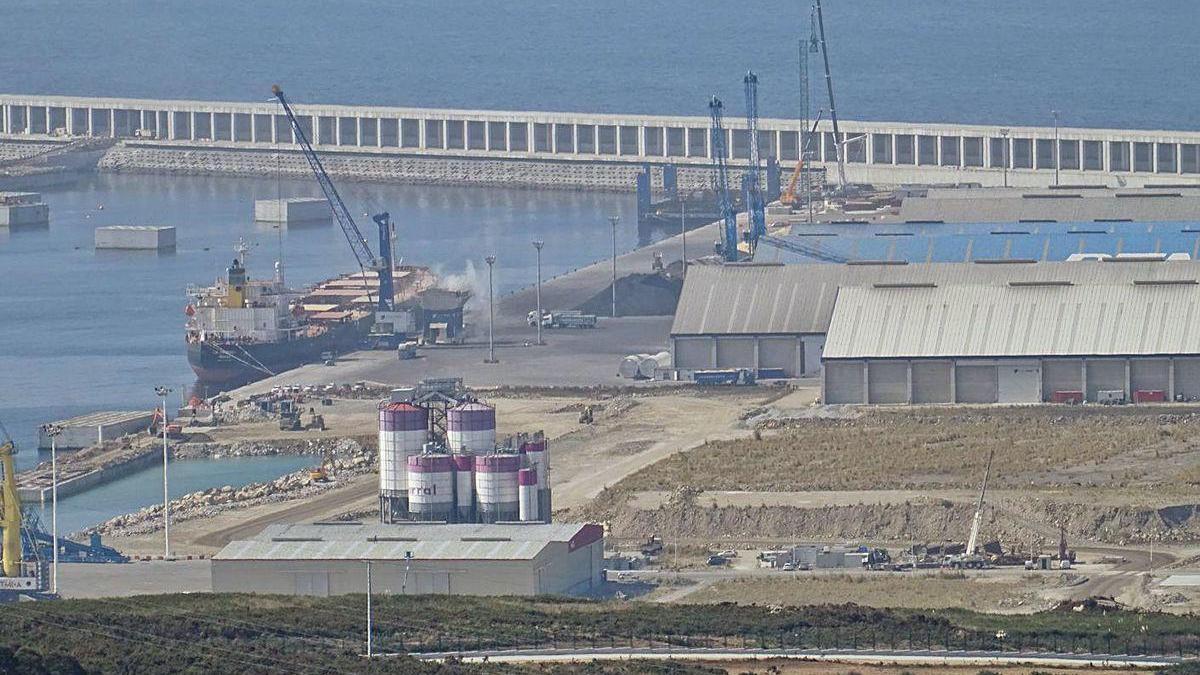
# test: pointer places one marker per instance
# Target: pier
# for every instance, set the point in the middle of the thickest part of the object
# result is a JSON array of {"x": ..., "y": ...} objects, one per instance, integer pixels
[{"x": 593, "y": 150}]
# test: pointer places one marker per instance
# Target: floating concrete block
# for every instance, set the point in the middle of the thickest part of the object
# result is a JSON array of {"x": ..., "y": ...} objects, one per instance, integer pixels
[
  {"x": 308, "y": 210},
  {"x": 23, "y": 208},
  {"x": 94, "y": 428},
  {"x": 136, "y": 237}
]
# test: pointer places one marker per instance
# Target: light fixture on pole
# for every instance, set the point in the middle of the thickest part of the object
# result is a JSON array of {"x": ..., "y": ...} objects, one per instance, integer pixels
[
  {"x": 491, "y": 262},
  {"x": 538, "y": 244},
  {"x": 53, "y": 431},
  {"x": 369, "y": 645},
  {"x": 163, "y": 392},
  {"x": 614, "y": 220},
  {"x": 1057, "y": 157}
]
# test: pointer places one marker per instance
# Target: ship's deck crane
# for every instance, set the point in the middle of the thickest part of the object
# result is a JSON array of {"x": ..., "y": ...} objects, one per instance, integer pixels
[
  {"x": 729, "y": 236},
  {"x": 751, "y": 181},
  {"x": 358, "y": 243}
]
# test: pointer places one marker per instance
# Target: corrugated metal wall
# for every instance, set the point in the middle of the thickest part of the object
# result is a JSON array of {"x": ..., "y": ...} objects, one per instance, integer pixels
[
  {"x": 887, "y": 381},
  {"x": 1064, "y": 375},
  {"x": 694, "y": 353},
  {"x": 1104, "y": 375},
  {"x": 844, "y": 382},
  {"x": 976, "y": 384},
  {"x": 1187, "y": 378},
  {"x": 931, "y": 382},
  {"x": 1019, "y": 382},
  {"x": 780, "y": 352},
  {"x": 735, "y": 352},
  {"x": 1150, "y": 374}
]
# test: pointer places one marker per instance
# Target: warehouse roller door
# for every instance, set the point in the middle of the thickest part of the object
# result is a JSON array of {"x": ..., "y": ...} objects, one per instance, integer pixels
[
  {"x": 1105, "y": 376},
  {"x": 931, "y": 382},
  {"x": 1187, "y": 378},
  {"x": 1150, "y": 375},
  {"x": 1061, "y": 376},
  {"x": 843, "y": 382},
  {"x": 887, "y": 382},
  {"x": 779, "y": 352},
  {"x": 735, "y": 352},
  {"x": 694, "y": 353},
  {"x": 976, "y": 384},
  {"x": 1019, "y": 382}
]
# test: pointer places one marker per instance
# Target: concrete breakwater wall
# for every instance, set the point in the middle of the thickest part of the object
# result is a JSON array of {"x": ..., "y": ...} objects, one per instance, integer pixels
[
  {"x": 81, "y": 482},
  {"x": 509, "y": 173}
]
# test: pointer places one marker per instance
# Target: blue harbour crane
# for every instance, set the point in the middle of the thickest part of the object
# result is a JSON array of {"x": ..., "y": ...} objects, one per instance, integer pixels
[
  {"x": 729, "y": 236},
  {"x": 751, "y": 180},
  {"x": 358, "y": 244}
]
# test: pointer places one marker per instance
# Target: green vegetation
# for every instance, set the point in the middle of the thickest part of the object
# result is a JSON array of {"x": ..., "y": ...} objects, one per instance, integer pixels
[{"x": 260, "y": 634}]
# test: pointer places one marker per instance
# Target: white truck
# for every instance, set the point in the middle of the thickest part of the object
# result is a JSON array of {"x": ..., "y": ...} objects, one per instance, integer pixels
[{"x": 563, "y": 319}]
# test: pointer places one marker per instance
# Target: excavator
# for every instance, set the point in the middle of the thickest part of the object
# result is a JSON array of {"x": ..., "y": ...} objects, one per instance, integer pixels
[{"x": 17, "y": 576}]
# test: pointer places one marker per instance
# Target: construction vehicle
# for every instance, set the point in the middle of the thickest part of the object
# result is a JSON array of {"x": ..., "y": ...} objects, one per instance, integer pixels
[
  {"x": 970, "y": 557},
  {"x": 318, "y": 475},
  {"x": 19, "y": 576},
  {"x": 385, "y": 303},
  {"x": 315, "y": 421},
  {"x": 729, "y": 234},
  {"x": 563, "y": 319},
  {"x": 174, "y": 429}
]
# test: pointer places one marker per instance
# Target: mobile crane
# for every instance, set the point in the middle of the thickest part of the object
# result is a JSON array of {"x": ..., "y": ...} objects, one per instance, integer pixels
[
  {"x": 17, "y": 576},
  {"x": 729, "y": 235},
  {"x": 358, "y": 244}
]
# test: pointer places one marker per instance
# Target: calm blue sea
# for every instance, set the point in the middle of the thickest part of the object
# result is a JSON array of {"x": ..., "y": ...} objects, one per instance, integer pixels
[{"x": 1099, "y": 62}]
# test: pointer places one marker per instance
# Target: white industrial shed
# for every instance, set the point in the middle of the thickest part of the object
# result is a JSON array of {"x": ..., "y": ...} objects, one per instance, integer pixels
[
  {"x": 1021, "y": 342},
  {"x": 777, "y": 316},
  {"x": 330, "y": 559}
]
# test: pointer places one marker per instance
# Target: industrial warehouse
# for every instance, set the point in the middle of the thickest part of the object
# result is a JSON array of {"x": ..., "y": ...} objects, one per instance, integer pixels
[
  {"x": 776, "y": 319},
  {"x": 330, "y": 559}
]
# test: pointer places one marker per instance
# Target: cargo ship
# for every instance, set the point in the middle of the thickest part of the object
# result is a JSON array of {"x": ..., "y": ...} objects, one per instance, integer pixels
[{"x": 241, "y": 329}]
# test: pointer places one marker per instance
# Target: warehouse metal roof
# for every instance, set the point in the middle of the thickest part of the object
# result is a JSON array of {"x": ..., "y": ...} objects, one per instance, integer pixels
[
  {"x": 758, "y": 299},
  {"x": 356, "y": 541},
  {"x": 1018, "y": 319}
]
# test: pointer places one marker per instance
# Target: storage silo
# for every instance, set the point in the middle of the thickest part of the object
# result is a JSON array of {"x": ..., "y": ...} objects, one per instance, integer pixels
[
  {"x": 648, "y": 366},
  {"x": 464, "y": 488},
  {"x": 471, "y": 428},
  {"x": 430, "y": 488},
  {"x": 628, "y": 368},
  {"x": 403, "y": 430},
  {"x": 527, "y": 495},
  {"x": 496, "y": 496},
  {"x": 537, "y": 456}
]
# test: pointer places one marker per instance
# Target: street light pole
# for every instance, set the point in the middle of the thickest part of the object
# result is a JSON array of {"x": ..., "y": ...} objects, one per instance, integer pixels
[
  {"x": 369, "y": 609},
  {"x": 1056, "y": 151},
  {"x": 1004, "y": 154},
  {"x": 53, "y": 430},
  {"x": 163, "y": 392},
  {"x": 683, "y": 231},
  {"x": 613, "y": 220},
  {"x": 491, "y": 262},
  {"x": 538, "y": 244}
]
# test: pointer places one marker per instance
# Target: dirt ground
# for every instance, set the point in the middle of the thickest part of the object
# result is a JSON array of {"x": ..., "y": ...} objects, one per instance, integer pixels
[{"x": 985, "y": 594}]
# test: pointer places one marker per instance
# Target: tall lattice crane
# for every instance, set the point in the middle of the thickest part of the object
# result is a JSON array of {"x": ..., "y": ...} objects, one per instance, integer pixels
[
  {"x": 751, "y": 181},
  {"x": 354, "y": 237},
  {"x": 729, "y": 236}
]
